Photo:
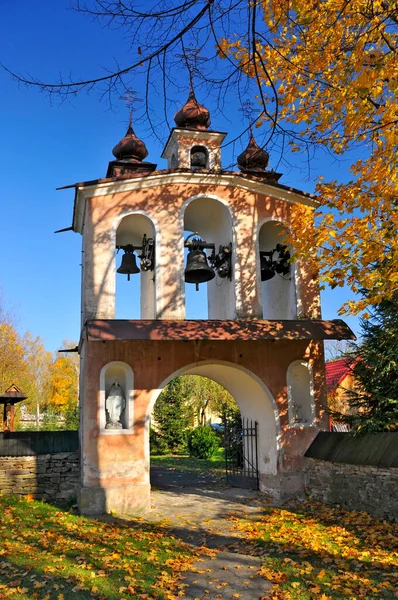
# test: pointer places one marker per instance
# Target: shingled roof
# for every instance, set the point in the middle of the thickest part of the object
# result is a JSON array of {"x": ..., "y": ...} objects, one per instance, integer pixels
[
  {"x": 12, "y": 395},
  {"x": 336, "y": 371}
]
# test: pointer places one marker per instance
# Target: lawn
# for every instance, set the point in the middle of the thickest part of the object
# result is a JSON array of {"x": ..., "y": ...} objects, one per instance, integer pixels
[
  {"x": 309, "y": 552},
  {"x": 325, "y": 553},
  {"x": 184, "y": 462},
  {"x": 50, "y": 554}
]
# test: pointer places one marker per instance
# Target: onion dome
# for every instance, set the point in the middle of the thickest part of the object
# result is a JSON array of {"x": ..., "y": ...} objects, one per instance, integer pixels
[
  {"x": 253, "y": 158},
  {"x": 130, "y": 148},
  {"x": 193, "y": 115}
]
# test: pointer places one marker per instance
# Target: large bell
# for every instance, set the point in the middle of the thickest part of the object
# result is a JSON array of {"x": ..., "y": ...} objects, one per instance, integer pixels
[
  {"x": 129, "y": 265},
  {"x": 266, "y": 265},
  {"x": 197, "y": 270}
]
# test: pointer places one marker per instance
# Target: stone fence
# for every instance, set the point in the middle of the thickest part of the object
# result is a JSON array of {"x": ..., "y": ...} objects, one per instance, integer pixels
[
  {"x": 44, "y": 464},
  {"x": 359, "y": 472}
]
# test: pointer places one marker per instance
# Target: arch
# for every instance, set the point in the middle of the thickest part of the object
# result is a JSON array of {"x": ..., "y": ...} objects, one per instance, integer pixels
[
  {"x": 254, "y": 399},
  {"x": 212, "y": 218},
  {"x": 137, "y": 222},
  {"x": 279, "y": 297},
  {"x": 121, "y": 371},
  {"x": 129, "y": 228},
  {"x": 222, "y": 201},
  {"x": 300, "y": 393}
]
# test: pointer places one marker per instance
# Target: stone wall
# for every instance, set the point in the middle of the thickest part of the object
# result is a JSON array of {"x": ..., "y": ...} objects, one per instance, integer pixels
[
  {"x": 357, "y": 487},
  {"x": 46, "y": 476}
]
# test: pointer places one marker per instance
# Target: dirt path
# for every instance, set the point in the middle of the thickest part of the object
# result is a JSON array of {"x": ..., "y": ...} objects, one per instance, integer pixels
[{"x": 198, "y": 514}]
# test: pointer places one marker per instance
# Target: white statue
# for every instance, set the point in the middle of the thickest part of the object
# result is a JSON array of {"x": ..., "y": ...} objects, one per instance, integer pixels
[{"x": 115, "y": 403}]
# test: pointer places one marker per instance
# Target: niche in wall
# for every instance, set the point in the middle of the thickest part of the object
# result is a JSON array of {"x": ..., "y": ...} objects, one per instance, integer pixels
[
  {"x": 123, "y": 374},
  {"x": 211, "y": 219},
  {"x": 135, "y": 298},
  {"x": 300, "y": 388},
  {"x": 278, "y": 294}
]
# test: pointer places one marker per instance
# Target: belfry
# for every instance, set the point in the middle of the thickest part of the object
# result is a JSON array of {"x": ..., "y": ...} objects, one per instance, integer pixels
[{"x": 263, "y": 336}]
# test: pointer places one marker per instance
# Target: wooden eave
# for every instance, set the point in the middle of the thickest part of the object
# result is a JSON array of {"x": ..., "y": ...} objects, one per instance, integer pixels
[
  {"x": 12, "y": 395},
  {"x": 102, "y": 330}
]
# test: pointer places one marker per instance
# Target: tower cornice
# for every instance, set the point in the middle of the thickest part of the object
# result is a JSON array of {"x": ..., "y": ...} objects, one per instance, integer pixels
[
  {"x": 160, "y": 178},
  {"x": 199, "y": 135}
]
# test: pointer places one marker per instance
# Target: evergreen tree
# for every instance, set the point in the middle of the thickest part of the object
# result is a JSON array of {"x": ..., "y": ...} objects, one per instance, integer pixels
[
  {"x": 171, "y": 416},
  {"x": 375, "y": 399}
]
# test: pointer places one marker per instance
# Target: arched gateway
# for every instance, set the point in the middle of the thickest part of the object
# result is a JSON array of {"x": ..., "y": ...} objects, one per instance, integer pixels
[
  {"x": 253, "y": 398},
  {"x": 263, "y": 339}
]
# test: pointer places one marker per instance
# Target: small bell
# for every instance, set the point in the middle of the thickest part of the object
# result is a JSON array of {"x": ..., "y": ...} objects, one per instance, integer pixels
[
  {"x": 267, "y": 266},
  {"x": 197, "y": 270},
  {"x": 129, "y": 264},
  {"x": 198, "y": 157}
]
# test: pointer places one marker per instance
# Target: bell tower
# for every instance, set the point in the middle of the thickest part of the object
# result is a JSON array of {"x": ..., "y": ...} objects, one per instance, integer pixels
[{"x": 194, "y": 223}]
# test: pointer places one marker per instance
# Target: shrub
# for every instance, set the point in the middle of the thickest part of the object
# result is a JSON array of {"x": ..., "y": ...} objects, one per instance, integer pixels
[
  {"x": 202, "y": 442},
  {"x": 158, "y": 444}
]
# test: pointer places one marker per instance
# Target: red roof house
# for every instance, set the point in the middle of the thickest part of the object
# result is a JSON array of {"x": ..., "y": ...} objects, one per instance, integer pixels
[
  {"x": 337, "y": 371},
  {"x": 340, "y": 382}
]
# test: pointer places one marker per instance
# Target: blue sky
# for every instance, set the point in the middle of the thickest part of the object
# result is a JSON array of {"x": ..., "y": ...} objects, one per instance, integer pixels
[{"x": 45, "y": 145}]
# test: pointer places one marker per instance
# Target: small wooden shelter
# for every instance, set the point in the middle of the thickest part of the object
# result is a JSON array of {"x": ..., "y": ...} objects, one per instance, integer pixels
[{"x": 9, "y": 399}]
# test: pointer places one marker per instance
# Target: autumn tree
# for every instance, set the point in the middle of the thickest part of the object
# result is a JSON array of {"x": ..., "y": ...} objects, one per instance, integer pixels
[
  {"x": 38, "y": 362},
  {"x": 63, "y": 387},
  {"x": 329, "y": 71},
  {"x": 13, "y": 365},
  {"x": 323, "y": 75},
  {"x": 207, "y": 397}
]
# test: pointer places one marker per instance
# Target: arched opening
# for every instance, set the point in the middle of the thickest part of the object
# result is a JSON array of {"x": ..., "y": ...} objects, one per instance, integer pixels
[
  {"x": 173, "y": 161},
  {"x": 211, "y": 219},
  {"x": 300, "y": 387},
  {"x": 253, "y": 399},
  {"x": 135, "y": 292},
  {"x": 187, "y": 429},
  {"x": 278, "y": 289},
  {"x": 116, "y": 398},
  {"x": 199, "y": 157}
]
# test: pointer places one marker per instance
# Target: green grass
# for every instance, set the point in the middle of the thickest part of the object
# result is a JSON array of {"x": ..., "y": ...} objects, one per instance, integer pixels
[
  {"x": 50, "y": 554},
  {"x": 183, "y": 462}
]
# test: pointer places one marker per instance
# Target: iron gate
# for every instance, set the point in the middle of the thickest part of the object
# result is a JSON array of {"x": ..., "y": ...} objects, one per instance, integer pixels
[{"x": 241, "y": 453}]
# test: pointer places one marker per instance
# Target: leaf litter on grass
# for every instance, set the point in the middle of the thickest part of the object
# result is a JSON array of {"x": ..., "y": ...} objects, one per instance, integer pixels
[
  {"x": 309, "y": 552},
  {"x": 312, "y": 551},
  {"x": 50, "y": 554}
]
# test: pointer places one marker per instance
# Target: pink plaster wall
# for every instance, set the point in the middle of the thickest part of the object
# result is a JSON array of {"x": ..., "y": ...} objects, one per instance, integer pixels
[
  {"x": 153, "y": 362},
  {"x": 163, "y": 203}
]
